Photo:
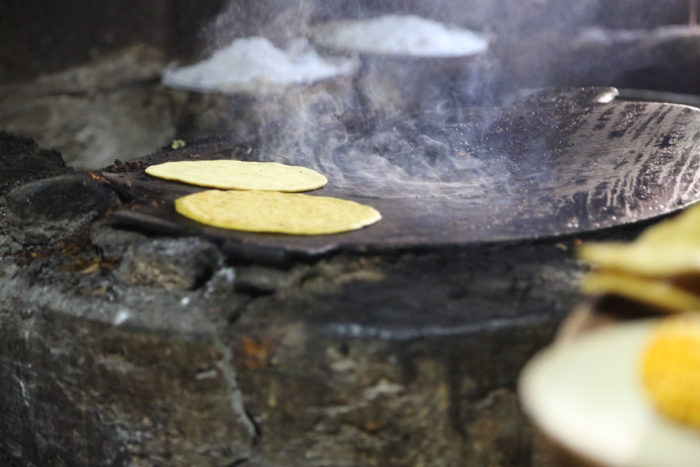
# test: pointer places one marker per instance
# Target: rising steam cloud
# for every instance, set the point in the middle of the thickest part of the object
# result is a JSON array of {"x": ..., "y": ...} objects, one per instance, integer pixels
[{"x": 398, "y": 122}]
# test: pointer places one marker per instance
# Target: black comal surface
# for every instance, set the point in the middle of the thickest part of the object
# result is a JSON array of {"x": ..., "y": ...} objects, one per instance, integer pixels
[{"x": 549, "y": 164}]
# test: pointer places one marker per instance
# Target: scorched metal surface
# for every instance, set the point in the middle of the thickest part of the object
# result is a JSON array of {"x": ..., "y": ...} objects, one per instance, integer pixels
[{"x": 551, "y": 163}]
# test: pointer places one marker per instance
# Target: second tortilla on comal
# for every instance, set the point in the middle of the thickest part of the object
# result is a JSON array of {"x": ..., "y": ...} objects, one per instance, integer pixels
[
  {"x": 240, "y": 175},
  {"x": 274, "y": 212}
]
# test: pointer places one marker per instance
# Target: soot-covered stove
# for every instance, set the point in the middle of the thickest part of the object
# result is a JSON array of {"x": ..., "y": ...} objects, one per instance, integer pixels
[{"x": 131, "y": 336}]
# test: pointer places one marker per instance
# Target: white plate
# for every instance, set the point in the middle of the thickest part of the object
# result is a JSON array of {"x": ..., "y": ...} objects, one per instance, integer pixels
[{"x": 587, "y": 396}]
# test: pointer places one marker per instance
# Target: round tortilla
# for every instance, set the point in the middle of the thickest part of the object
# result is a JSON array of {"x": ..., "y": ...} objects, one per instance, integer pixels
[
  {"x": 274, "y": 212},
  {"x": 654, "y": 291},
  {"x": 669, "y": 248},
  {"x": 240, "y": 175}
]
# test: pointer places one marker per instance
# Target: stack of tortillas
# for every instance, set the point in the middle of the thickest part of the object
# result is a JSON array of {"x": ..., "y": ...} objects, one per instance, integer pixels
[
  {"x": 261, "y": 197},
  {"x": 661, "y": 268}
]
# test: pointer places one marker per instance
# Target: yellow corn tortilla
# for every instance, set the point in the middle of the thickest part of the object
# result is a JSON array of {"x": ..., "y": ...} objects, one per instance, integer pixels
[
  {"x": 671, "y": 247},
  {"x": 684, "y": 227},
  {"x": 240, "y": 175},
  {"x": 671, "y": 259},
  {"x": 266, "y": 211},
  {"x": 652, "y": 291}
]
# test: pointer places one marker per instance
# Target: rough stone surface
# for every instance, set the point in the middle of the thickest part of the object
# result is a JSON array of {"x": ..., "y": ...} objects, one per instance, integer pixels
[
  {"x": 23, "y": 161},
  {"x": 259, "y": 280},
  {"x": 8, "y": 246},
  {"x": 400, "y": 359},
  {"x": 113, "y": 242},
  {"x": 57, "y": 208},
  {"x": 182, "y": 263},
  {"x": 113, "y": 108}
]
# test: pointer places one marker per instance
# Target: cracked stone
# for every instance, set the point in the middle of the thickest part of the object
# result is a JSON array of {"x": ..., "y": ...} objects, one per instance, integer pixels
[
  {"x": 55, "y": 209},
  {"x": 113, "y": 242},
  {"x": 264, "y": 280},
  {"x": 184, "y": 263},
  {"x": 23, "y": 161}
]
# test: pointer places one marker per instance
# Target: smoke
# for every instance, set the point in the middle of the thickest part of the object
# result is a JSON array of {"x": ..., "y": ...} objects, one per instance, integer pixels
[
  {"x": 395, "y": 124},
  {"x": 404, "y": 83},
  {"x": 401, "y": 124},
  {"x": 280, "y": 21}
]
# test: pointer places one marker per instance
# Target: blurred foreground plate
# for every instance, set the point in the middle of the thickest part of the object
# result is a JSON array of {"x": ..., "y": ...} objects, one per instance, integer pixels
[{"x": 586, "y": 395}]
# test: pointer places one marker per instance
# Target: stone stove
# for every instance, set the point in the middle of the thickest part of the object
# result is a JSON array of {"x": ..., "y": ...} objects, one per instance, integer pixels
[{"x": 132, "y": 337}]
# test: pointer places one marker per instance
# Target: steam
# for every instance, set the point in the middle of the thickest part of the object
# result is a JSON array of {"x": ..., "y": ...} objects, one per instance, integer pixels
[
  {"x": 395, "y": 124},
  {"x": 415, "y": 117},
  {"x": 407, "y": 35},
  {"x": 254, "y": 65}
]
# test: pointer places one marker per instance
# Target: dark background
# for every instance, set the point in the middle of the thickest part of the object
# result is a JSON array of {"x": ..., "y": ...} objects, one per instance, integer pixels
[{"x": 38, "y": 36}]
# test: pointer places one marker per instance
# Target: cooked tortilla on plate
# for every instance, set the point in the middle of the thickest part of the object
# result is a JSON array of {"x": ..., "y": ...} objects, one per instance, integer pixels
[
  {"x": 656, "y": 291},
  {"x": 671, "y": 247},
  {"x": 275, "y": 212},
  {"x": 240, "y": 175}
]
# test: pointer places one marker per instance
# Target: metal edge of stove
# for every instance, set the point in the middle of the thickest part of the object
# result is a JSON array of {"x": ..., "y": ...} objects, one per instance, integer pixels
[{"x": 310, "y": 249}]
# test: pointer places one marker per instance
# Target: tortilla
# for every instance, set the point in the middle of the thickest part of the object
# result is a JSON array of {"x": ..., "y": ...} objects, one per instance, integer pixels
[
  {"x": 240, "y": 175},
  {"x": 671, "y": 247},
  {"x": 653, "y": 291},
  {"x": 274, "y": 212},
  {"x": 670, "y": 259}
]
